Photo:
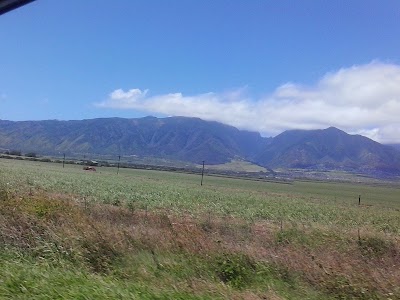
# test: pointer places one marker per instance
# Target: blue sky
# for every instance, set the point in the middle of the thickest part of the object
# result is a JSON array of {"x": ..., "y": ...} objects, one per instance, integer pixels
[{"x": 266, "y": 66}]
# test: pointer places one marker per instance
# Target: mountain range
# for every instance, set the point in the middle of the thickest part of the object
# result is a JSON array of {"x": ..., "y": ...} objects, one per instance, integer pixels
[{"x": 194, "y": 140}]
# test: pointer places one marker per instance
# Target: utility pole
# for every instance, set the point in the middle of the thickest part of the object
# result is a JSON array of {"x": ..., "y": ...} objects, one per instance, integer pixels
[
  {"x": 202, "y": 174},
  {"x": 119, "y": 159}
]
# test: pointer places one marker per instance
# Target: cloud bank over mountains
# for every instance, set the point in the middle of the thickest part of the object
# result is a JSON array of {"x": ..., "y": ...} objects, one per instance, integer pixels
[{"x": 362, "y": 99}]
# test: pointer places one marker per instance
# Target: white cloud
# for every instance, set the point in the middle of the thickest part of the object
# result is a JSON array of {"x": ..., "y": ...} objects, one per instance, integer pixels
[{"x": 361, "y": 99}]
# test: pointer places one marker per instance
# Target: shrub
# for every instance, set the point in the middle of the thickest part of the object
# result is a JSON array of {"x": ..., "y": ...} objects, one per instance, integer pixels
[
  {"x": 235, "y": 269},
  {"x": 15, "y": 152},
  {"x": 99, "y": 254},
  {"x": 45, "y": 159},
  {"x": 373, "y": 246}
]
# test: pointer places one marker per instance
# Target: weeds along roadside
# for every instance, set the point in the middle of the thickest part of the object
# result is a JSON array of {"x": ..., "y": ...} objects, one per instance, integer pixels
[{"x": 163, "y": 248}]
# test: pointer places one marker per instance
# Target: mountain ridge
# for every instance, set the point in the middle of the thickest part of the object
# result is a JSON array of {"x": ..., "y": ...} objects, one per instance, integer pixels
[
  {"x": 329, "y": 148},
  {"x": 181, "y": 138},
  {"x": 194, "y": 140}
]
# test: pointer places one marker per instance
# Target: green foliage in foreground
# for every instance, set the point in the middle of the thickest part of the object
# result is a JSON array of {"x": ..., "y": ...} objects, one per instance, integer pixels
[{"x": 24, "y": 277}]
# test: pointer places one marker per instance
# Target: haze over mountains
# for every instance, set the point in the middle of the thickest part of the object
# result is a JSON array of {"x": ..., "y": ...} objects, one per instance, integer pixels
[{"x": 194, "y": 140}]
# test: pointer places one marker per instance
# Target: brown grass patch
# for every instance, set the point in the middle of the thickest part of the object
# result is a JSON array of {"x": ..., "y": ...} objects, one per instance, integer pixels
[{"x": 99, "y": 235}]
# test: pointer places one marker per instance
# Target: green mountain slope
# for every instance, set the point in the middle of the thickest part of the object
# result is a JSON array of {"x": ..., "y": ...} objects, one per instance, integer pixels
[
  {"x": 187, "y": 139},
  {"x": 195, "y": 140},
  {"x": 330, "y": 148}
]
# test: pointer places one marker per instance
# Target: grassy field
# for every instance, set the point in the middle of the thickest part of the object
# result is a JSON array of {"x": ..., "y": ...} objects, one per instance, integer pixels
[
  {"x": 236, "y": 166},
  {"x": 66, "y": 233}
]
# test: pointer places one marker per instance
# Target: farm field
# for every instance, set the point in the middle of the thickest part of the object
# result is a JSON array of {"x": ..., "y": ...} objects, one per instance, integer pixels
[{"x": 66, "y": 233}]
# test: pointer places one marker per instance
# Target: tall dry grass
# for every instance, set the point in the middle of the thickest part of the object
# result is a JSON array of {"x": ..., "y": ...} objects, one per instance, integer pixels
[{"x": 98, "y": 236}]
